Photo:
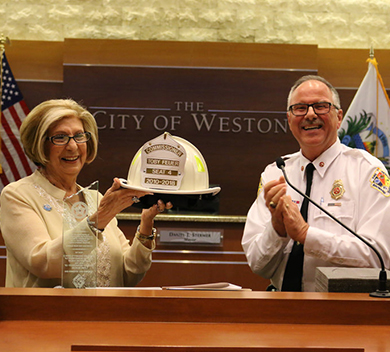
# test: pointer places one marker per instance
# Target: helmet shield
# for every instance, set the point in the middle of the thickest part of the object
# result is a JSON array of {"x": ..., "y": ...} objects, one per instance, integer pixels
[{"x": 169, "y": 165}]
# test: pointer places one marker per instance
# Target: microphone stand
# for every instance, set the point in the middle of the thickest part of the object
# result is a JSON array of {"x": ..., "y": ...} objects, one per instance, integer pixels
[{"x": 382, "y": 291}]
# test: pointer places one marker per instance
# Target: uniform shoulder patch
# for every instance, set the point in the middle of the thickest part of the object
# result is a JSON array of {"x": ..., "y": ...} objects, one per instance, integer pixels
[{"x": 381, "y": 182}]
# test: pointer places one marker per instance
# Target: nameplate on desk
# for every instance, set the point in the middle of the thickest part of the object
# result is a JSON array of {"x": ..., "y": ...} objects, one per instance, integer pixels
[{"x": 176, "y": 236}]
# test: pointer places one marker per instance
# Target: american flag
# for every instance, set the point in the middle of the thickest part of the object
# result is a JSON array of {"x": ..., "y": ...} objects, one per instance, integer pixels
[{"x": 14, "y": 163}]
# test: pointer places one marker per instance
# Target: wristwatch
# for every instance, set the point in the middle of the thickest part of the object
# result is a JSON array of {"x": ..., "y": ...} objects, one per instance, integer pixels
[
  {"x": 143, "y": 237},
  {"x": 92, "y": 226}
]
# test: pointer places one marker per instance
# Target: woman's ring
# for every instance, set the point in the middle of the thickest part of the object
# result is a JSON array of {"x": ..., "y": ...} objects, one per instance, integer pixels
[
  {"x": 135, "y": 199},
  {"x": 272, "y": 204}
]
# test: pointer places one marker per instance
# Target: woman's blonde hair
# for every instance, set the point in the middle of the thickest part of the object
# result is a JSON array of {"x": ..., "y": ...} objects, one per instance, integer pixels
[{"x": 34, "y": 129}]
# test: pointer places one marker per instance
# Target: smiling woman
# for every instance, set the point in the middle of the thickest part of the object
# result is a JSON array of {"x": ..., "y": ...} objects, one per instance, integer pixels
[
  {"x": 65, "y": 159},
  {"x": 60, "y": 137}
]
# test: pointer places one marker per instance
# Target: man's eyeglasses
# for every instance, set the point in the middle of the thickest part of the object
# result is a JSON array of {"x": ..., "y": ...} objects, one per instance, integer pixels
[
  {"x": 320, "y": 108},
  {"x": 63, "y": 139}
]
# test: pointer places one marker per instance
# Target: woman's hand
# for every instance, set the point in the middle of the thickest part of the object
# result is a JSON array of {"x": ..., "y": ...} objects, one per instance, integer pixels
[
  {"x": 114, "y": 201},
  {"x": 148, "y": 215},
  {"x": 147, "y": 219}
]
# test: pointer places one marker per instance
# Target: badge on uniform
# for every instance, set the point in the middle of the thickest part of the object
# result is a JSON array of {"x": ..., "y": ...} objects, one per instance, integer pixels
[
  {"x": 338, "y": 190},
  {"x": 381, "y": 182}
]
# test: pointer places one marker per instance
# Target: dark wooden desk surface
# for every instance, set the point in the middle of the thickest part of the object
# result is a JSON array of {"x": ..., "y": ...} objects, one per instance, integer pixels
[{"x": 161, "y": 320}]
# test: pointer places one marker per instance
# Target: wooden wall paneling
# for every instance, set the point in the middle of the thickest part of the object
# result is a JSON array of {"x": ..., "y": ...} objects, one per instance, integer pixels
[
  {"x": 38, "y": 69},
  {"x": 346, "y": 68},
  {"x": 35, "y": 92},
  {"x": 189, "y": 54},
  {"x": 36, "y": 60},
  {"x": 181, "y": 264}
]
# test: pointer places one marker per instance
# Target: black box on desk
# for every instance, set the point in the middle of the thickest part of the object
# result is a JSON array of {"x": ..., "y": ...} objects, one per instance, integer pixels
[{"x": 335, "y": 279}]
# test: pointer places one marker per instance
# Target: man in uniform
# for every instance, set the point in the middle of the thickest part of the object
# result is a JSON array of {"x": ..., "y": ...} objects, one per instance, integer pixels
[{"x": 285, "y": 245}]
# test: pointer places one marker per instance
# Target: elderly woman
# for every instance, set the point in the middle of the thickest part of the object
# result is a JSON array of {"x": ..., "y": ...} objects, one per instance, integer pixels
[{"x": 60, "y": 137}]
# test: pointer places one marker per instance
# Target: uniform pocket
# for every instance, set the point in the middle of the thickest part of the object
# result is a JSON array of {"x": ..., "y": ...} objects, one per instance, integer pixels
[{"x": 341, "y": 210}]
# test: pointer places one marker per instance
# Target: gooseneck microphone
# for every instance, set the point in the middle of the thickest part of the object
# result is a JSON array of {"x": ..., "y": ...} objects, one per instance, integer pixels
[{"x": 382, "y": 290}]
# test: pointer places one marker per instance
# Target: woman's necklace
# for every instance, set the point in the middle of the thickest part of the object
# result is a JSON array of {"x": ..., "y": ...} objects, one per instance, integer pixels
[{"x": 67, "y": 193}]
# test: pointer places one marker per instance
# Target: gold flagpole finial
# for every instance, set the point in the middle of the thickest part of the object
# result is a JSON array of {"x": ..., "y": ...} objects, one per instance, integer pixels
[
  {"x": 372, "y": 52},
  {"x": 3, "y": 40}
]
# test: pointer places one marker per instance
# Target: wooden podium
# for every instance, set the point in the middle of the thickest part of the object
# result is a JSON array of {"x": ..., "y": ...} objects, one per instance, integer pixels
[{"x": 164, "y": 320}]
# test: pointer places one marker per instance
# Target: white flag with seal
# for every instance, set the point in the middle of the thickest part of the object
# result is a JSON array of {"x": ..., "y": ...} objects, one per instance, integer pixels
[{"x": 366, "y": 124}]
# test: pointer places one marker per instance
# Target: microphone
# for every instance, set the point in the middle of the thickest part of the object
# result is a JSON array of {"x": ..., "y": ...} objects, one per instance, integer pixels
[{"x": 382, "y": 292}]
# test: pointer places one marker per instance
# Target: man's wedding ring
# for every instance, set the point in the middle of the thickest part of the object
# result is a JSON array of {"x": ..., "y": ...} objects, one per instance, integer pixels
[
  {"x": 135, "y": 199},
  {"x": 272, "y": 204}
]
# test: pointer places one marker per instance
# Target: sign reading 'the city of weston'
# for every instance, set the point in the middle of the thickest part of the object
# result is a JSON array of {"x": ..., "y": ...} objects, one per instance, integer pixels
[{"x": 235, "y": 117}]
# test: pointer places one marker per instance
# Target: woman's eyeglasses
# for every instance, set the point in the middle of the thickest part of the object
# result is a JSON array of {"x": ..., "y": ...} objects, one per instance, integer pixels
[{"x": 63, "y": 139}]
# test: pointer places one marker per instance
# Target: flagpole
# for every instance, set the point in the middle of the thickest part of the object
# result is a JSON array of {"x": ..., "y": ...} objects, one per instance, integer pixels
[
  {"x": 372, "y": 57},
  {"x": 3, "y": 41}
]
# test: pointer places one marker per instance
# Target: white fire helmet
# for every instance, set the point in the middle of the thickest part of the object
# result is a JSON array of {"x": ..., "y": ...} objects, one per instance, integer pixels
[{"x": 169, "y": 165}]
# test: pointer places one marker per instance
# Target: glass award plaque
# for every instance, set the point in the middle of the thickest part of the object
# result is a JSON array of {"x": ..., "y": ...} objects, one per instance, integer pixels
[{"x": 79, "y": 239}]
